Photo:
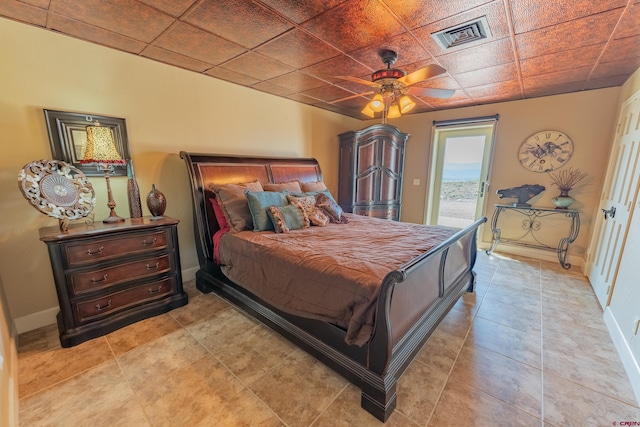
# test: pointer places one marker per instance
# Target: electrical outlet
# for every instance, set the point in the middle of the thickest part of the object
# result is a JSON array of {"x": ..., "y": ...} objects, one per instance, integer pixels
[{"x": 416, "y": 181}]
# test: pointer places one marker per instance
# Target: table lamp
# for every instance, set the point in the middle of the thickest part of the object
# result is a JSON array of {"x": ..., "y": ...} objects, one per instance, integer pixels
[{"x": 101, "y": 151}]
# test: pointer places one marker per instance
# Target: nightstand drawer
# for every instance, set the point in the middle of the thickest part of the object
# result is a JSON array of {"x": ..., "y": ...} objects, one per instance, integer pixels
[
  {"x": 83, "y": 253},
  {"x": 95, "y": 308},
  {"x": 95, "y": 280}
]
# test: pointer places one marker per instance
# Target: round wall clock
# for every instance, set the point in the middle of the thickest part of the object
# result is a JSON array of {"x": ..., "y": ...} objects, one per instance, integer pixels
[{"x": 545, "y": 151}]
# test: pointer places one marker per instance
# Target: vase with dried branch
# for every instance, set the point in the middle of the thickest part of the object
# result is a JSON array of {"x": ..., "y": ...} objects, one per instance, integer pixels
[{"x": 566, "y": 180}]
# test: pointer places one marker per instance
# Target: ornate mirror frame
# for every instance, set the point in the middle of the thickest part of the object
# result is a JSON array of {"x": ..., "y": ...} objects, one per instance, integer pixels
[{"x": 68, "y": 136}]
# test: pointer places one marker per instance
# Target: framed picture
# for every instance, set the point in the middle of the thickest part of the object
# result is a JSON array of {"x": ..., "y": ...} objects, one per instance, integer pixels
[{"x": 68, "y": 138}]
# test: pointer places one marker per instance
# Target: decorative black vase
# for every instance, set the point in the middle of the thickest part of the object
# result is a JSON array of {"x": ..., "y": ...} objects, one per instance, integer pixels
[
  {"x": 133, "y": 192},
  {"x": 156, "y": 202}
]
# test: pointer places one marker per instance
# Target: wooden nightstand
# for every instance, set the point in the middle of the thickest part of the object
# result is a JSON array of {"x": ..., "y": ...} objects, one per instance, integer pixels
[{"x": 111, "y": 275}]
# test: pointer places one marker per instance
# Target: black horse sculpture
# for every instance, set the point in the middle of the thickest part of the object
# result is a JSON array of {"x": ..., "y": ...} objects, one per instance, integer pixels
[{"x": 522, "y": 193}]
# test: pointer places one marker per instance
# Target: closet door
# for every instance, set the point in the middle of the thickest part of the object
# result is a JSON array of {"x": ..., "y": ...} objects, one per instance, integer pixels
[{"x": 617, "y": 202}]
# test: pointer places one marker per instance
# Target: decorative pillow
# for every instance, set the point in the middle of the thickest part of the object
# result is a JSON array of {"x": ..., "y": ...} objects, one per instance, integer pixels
[
  {"x": 293, "y": 186},
  {"x": 331, "y": 208},
  {"x": 313, "y": 186},
  {"x": 219, "y": 214},
  {"x": 318, "y": 217},
  {"x": 234, "y": 203},
  {"x": 258, "y": 204},
  {"x": 315, "y": 194},
  {"x": 308, "y": 203},
  {"x": 289, "y": 217}
]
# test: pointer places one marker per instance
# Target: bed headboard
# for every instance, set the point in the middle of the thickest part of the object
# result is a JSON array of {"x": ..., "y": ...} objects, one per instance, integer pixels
[{"x": 206, "y": 169}]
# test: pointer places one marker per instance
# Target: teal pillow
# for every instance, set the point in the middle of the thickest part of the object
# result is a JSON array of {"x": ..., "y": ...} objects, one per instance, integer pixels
[
  {"x": 258, "y": 204},
  {"x": 286, "y": 218}
]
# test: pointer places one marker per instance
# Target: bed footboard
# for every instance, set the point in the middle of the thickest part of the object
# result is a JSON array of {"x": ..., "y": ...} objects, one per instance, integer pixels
[{"x": 409, "y": 309}]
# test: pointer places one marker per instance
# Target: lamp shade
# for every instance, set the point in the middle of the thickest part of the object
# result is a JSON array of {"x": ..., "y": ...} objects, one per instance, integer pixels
[
  {"x": 367, "y": 111},
  {"x": 406, "y": 104},
  {"x": 377, "y": 103},
  {"x": 394, "y": 111},
  {"x": 100, "y": 146}
]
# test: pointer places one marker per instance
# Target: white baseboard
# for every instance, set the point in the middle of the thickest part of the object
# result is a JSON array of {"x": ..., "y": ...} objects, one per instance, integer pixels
[
  {"x": 628, "y": 360},
  {"x": 575, "y": 261},
  {"x": 48, "y": 317}
]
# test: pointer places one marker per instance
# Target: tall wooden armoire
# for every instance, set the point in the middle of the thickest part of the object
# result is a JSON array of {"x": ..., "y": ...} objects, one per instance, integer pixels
[{"x": 371, "y": 168}]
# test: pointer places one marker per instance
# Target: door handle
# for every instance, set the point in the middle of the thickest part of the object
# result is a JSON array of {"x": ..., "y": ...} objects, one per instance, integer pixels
[{"x": 609, "y": 213}]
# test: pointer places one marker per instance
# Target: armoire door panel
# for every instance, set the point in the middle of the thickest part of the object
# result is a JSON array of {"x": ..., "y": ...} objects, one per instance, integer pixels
[{"x": 371, "y": 168}]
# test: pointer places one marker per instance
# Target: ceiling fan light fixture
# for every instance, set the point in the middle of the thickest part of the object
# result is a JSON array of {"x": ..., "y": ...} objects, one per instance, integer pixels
[
  {"x": 394, "y": 111},
  {"x": 377, "y": 103},
  {"x": 367, "y": 111},
  {"x": 406, "y": 104}
]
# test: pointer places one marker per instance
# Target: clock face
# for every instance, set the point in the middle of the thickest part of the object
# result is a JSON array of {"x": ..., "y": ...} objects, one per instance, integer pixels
[{"x": 545, "y": 151}]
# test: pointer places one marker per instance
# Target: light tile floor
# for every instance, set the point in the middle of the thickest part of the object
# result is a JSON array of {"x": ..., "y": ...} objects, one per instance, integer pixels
[{"x": 529, "y": 348}]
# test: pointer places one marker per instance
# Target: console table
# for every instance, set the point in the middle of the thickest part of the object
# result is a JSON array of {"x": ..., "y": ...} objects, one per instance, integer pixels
[{"x": 532, "y": 223}]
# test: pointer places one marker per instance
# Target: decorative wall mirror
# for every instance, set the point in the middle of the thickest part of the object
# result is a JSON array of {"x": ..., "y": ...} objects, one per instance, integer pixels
[{"x": 68, "y": 138}]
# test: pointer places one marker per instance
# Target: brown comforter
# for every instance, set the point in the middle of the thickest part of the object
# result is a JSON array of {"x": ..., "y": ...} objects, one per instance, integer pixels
[{"x": 330, "y": 273}]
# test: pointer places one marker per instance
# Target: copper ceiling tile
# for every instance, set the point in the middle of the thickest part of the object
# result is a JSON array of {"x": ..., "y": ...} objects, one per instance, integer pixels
[
  {"x": 172, "y": 58},
  {"x": 93, "y": 34},
  {"x": 43, "y": 4},
  {"x": 486, "y": 55},
  {"x": 298, "y": 97},
  {"x": 418, "y": 13},
  {"x": 23, "y": 12},
  {"x": 297, "y": 49},
  {"x": 622, "y": 48},
  {"x": 535, "y": 14},
  {"x": 257, "y": 66},
  {"x": 126, "y": 17},
  {"x": 355, "y": 24},
  {"x": 557, "y": 78},
  {"x": 565, "y": 60},
  {"x": 241, "y": 21},
  {"x": 405, "y": 45},
  {"x": 629, "y": 24},
  {"x": 554, "y": 90},
  {"x": 570, "y": 35},
  {"x": 198, "y": 44},
  {"x": 606, "y": 82},
  {"x": 271, "y": 88},
  {"x": 489, "y": 75},
  {"x": 622, "y": 67},
  {"x": 173, "y": 7},
  {"x": 339, "y": 66},
  {"x": 511, "y": 87},
  {"x": 494, "y": 13},
  {"x": 301, "y": 10},
  {"x": 327, "y": 93},
  {"x": 298, "y": 82},
  {"x": 232, "y": 76}
]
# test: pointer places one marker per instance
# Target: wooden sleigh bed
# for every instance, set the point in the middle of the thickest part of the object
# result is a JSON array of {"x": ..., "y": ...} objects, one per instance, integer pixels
[{"x": 412, "y": 298}]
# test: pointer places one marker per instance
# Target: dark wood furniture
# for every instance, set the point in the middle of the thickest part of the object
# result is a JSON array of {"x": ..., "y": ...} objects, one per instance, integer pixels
[
  {"x": 531, "y": 224},
  {"x": 412, "y": 300},
  {"x": 371, "y": 168},
  {"x": 111, "y": 275}
]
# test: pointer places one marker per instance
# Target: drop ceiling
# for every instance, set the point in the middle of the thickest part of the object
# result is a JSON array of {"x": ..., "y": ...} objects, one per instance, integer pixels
[{"x": 295, "y": 49}]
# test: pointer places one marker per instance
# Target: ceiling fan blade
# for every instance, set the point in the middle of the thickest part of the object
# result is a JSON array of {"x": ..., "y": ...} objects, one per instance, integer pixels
[
  {"x": 431, "y": 92},
  {"x": 422, "y": 74},
  {"x": 352, "y": 96},
  {"x": 357, "y": 80}
]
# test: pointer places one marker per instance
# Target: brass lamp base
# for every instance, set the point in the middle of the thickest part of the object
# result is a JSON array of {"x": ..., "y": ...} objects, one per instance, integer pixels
[{"x": 111, "y": 204}]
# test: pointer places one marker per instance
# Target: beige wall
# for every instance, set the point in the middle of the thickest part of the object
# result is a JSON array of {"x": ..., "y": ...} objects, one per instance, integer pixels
[
  {"x": 587, "y": 117},
  {"x": 167, "y": 110}
]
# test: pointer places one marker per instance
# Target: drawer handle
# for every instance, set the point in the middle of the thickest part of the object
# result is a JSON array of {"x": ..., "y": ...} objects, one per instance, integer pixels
[
  {"x": 153, "y": 267},
  {"x": 99, "y": 251},
  {"x": 102, "y": 308},
  {"x": 156, "y": 291},
  {"x": 94, "y": 280},
  {"x": 144, "y": 242}
]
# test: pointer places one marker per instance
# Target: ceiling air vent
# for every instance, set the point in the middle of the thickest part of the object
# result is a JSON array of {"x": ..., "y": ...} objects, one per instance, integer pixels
[{"x": 468, "y": 32}]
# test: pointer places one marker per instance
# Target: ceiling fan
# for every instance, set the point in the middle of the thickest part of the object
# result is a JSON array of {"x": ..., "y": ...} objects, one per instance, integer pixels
[{"x": 392, "y": 86}]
